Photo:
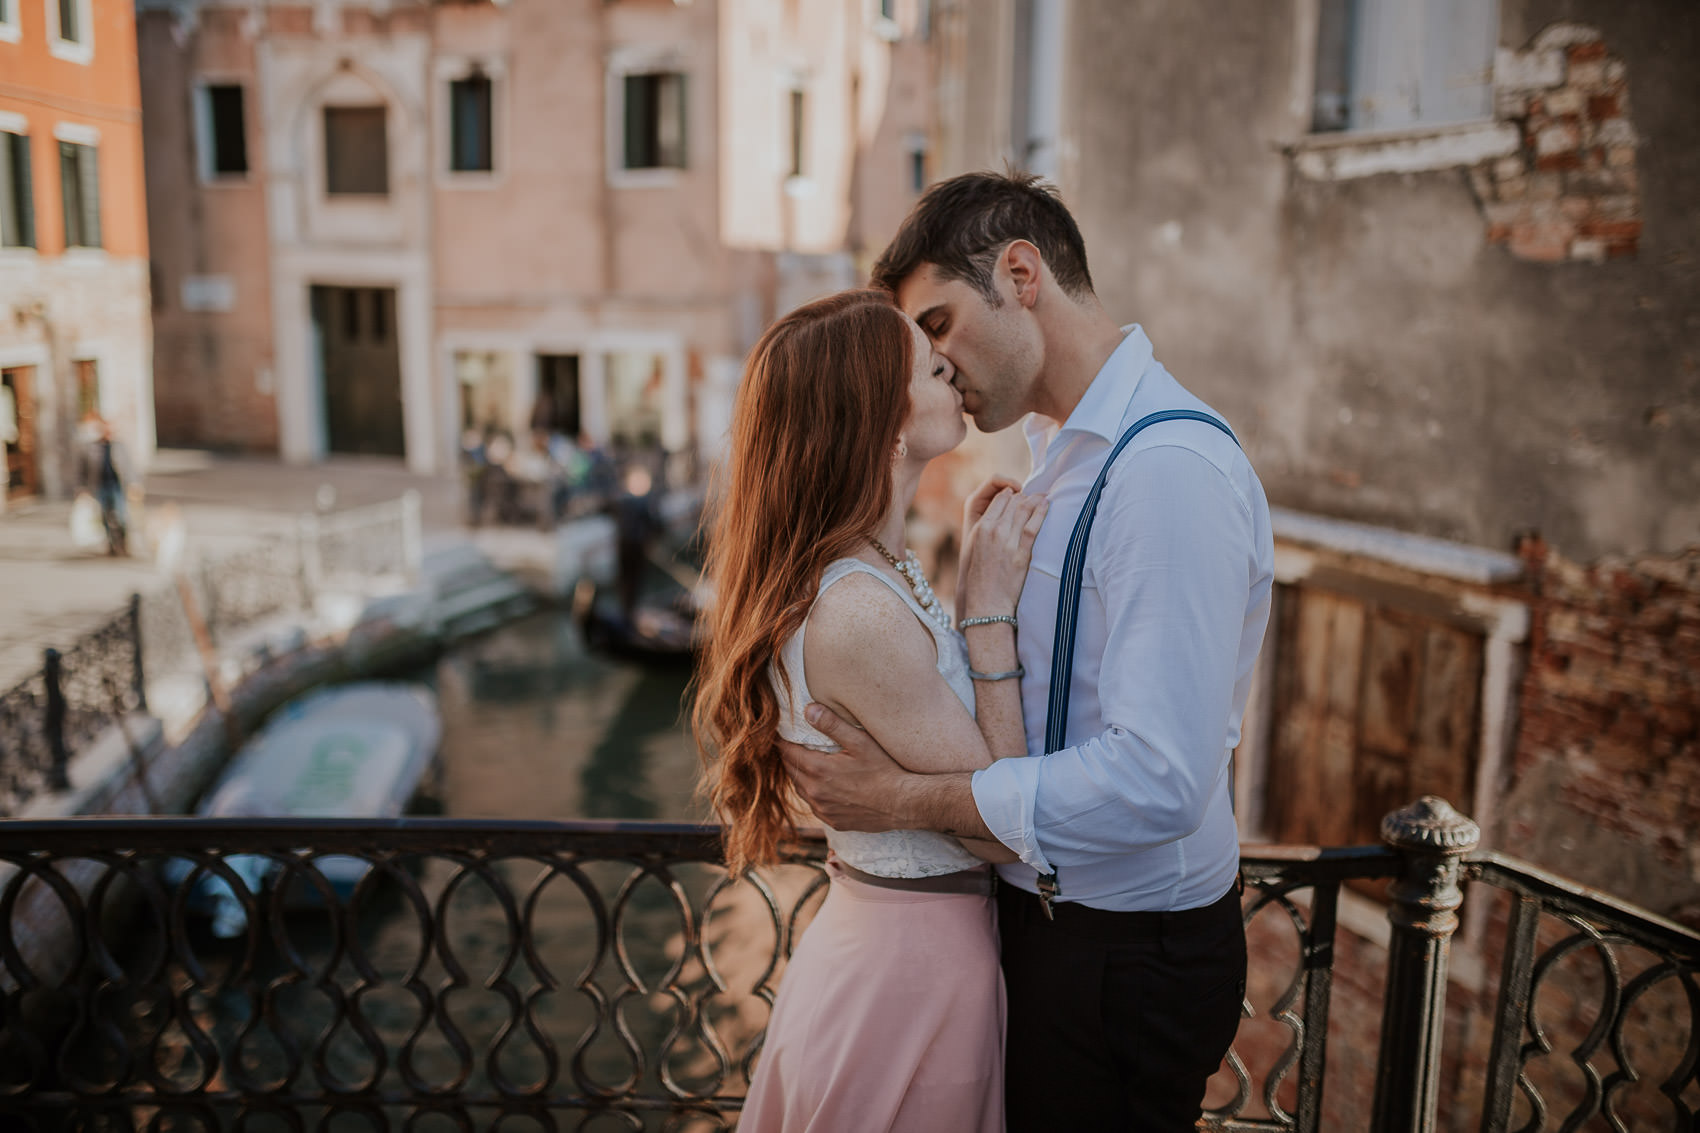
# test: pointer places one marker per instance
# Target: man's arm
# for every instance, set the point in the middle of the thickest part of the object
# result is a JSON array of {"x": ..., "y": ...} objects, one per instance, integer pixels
[
  {"x": 1175, "y": 561},
  {"x": 862, "y": 788}
]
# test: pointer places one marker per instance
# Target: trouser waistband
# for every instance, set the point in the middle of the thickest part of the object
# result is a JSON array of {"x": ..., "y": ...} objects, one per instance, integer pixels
[{"x": 1142, "y": 924}]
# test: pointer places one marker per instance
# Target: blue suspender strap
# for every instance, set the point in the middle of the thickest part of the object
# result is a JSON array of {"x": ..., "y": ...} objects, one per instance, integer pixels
[{"x": 1068, "y": 599}]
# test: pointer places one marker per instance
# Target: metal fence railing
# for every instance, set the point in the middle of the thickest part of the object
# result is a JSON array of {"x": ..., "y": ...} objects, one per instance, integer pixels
[
  {"x": 79, "y": 692},
  {"x": 483, "y": 974},
  {"x": 64, "y": 705}
]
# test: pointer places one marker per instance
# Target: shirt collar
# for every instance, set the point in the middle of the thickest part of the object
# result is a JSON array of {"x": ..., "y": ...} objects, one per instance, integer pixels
[{"x": 1104, "y": 404}]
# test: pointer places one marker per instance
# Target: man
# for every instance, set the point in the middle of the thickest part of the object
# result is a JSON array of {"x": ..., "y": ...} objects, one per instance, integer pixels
[
  {"x": 101, "y": 473},
  {"x": 1122, "y": 1006}
]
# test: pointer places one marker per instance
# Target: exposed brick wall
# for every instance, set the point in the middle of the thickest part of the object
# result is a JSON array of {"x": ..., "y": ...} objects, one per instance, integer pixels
[
  {"x": 1572, "y": 192},
  {"x": 1605, "y": 778}
]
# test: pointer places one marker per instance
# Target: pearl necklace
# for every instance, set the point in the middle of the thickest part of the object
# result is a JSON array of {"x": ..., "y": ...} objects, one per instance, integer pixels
[{"x": 910, "y": 568}]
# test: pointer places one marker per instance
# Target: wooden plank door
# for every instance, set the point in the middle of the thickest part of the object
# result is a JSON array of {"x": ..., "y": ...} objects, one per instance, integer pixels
[{"x": 1375, "y": 705}]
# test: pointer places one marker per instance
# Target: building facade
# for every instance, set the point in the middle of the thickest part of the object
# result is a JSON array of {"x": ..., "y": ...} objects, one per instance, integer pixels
[
  {"x": 74, "y": 330},
  {"x": 382, "y": 225},
  {"x": 1437, "y": 264}
]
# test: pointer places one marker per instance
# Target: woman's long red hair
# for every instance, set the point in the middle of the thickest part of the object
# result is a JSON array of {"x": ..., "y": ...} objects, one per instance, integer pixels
[{"x": 808, "y": 477}]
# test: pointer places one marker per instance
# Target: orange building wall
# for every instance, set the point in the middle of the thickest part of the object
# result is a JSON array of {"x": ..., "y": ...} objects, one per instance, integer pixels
[{"x": 105, "y": 94}]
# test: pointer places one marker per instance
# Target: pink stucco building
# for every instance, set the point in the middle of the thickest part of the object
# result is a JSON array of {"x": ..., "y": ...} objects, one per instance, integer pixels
[{"x": 378, "y": 223}]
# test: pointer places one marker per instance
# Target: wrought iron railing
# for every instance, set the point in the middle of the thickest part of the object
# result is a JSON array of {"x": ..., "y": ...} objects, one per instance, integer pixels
[
  {"x": 58, "y": 710},
  {"x": 64, "y": 705},
  {"x": 505, "y": 975},
  {"x": 379, "y": 539}
]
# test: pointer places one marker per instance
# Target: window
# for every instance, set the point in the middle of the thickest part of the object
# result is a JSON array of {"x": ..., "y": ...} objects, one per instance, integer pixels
[
  {"x": 17, "y": 194},
  {"x": 70, "y": 21},
  {"x": 1393, "y": 64},
  {"x": 225, "y": 133},
  {"x": 798, "y": 107},
  {"x": 70, "y": 29},
  {"x": 471, "y": 148},
  {"x": 915, "y": 144},
  {"x": 10, "y": 32},
  {"x": 654, "y": 120},
  {"x": 357, "y": 152},
  {"x": 79, "y": 192}
]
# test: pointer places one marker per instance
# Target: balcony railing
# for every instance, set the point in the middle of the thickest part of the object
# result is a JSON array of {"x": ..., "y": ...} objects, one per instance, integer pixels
[{"x": 433, "y": 973}]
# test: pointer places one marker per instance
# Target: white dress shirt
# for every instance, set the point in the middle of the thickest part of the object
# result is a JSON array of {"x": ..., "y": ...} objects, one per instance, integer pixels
[{"x": 1136, "y": 813}]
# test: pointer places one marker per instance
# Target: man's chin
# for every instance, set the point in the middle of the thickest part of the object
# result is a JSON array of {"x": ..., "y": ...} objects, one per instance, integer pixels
[{"x": 988, "y": 421}]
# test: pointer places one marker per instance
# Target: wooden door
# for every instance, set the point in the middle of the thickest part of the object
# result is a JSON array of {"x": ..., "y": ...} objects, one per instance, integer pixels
[
  {"x": 360, "y": 360},
  {"x": 1375, "y": 704},
  {"x": 22, "y": 475}
]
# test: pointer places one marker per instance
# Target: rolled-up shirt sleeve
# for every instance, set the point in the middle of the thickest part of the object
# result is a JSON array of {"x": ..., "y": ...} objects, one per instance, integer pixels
[{"x": 1173, "y": 554}]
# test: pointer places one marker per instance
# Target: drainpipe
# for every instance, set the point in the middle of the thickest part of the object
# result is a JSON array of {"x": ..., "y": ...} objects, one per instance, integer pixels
[{"x": 1044, "y": 88}]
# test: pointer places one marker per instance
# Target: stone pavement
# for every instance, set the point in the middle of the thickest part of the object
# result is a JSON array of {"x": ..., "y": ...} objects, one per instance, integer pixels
[{"x": 52, "y": 591}]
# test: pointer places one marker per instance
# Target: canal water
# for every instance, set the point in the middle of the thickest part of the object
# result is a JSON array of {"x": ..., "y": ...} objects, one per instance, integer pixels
[{"x": 537, "y": 726}]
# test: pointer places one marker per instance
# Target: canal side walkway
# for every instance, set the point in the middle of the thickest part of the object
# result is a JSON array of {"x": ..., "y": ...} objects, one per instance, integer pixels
[{"x": 52, "y": 591}]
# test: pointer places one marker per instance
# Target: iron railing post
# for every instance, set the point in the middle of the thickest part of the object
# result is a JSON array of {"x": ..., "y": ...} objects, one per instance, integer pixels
[
  {"x": 53, "y": 726},
  {"x": 138, "y": 677},
  {"x": 1431, "y": 839}
]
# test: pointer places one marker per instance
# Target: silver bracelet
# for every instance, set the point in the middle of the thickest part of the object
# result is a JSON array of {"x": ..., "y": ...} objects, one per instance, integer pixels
[
  {"x": 1007, "y": 674},
  {"x": 986, "y": 621}
]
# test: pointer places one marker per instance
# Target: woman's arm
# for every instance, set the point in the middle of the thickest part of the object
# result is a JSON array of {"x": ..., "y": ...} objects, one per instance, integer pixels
[
  {"x": 871, "y": 661},
  {"x": 999, "y": 526}
]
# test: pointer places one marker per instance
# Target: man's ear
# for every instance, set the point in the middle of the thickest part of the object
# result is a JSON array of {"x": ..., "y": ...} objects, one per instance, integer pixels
[{"x": 1026, "y": 269}]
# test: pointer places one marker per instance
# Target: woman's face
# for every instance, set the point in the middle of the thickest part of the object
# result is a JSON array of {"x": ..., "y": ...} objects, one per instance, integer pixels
[{"x": 935, "y": 424}]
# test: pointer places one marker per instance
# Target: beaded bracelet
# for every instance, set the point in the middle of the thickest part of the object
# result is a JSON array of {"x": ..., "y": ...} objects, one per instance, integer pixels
[
  {"x": 1007, "y": 674},
  {"x": 992, "y": 619}
]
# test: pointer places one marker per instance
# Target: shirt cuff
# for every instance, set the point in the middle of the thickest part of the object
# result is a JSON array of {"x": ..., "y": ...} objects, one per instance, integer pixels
[{"x": 1005, "y": 794}]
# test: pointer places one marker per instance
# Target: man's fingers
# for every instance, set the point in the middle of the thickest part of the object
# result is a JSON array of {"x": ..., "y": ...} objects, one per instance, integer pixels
[{"x": 825, "y": 721}]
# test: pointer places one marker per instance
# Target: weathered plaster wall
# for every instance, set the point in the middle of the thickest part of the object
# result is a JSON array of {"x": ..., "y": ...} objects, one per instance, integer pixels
[
  {"x": 214, "y": 375},
  {"x": 1383, "y": 360}
]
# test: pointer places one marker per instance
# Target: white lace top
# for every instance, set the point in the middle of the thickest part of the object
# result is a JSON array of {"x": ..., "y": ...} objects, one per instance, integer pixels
[{"x": 893, "y": 853}]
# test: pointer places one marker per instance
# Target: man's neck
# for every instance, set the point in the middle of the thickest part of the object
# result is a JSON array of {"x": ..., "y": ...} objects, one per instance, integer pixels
[{"x": 1078, "y": 341}]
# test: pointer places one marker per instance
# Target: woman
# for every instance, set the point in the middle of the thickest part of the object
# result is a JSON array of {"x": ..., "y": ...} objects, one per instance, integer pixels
[{"x": 890, "y": 1015}]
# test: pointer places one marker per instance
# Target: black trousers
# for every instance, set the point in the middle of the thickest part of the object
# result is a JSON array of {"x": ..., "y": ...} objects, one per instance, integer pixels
[{"x": 1116, "y": 1020}]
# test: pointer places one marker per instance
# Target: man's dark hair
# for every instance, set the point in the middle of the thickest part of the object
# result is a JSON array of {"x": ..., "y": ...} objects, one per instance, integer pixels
[{"x": 962, "y": 225}]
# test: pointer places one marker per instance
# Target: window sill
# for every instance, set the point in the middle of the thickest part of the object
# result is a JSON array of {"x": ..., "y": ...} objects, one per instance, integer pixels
[
  {"x": 1347, "y": 155},
  {"x": 665, "y": 178},
  {"x": 229, "y": 181},
  {"x": 800, "y": 188},
  {"x": 470, "y": 179},
  {"x": 71, "y": 52},
  {"x": 887, "y": 29},
  {"x": 1423, "y": 554},
  {"x": 10, "y": 32},
  {"x": 82, "y": 255}
]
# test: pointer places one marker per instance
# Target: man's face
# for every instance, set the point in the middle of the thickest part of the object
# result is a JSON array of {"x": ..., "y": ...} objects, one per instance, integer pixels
[{"x": 996, "y": 350}]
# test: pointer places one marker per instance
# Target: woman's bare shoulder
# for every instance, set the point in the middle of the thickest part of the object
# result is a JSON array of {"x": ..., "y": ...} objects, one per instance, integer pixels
[{"x": 860, "y": 627}]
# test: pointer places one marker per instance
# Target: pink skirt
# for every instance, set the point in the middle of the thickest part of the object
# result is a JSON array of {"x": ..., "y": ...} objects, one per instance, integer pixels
[{"x": 889, "y": 1017}]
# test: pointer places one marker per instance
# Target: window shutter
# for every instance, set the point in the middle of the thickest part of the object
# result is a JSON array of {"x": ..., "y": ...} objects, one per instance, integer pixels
[
  {"x": 70, "y": 193},
  {"x": 1457, "y": 77},
  {"x": 670, "y": 129},
  {"x": 1387, "y": 66},
  {"x": 88, "y": 172},
  {"x": 17, "y": 204},
  {"x": 638, "y": 100}
]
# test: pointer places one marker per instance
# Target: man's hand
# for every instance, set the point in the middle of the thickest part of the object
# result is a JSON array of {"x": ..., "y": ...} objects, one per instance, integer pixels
[{"x": 855, "y": 789}]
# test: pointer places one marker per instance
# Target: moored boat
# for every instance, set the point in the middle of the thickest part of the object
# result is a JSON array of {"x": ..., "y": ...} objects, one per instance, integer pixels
[{"x": 359, "y": 750}]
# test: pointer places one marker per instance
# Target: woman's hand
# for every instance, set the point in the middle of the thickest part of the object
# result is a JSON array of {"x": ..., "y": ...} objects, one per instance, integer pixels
[{"x": 999, "y": 526}]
